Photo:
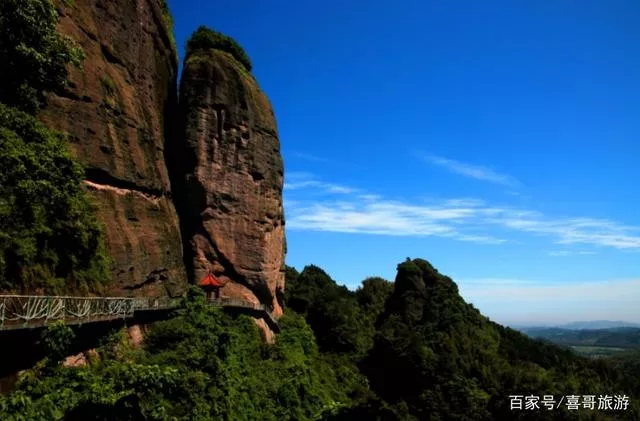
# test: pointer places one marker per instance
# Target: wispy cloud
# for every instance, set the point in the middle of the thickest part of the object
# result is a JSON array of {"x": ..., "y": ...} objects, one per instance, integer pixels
[
  {"x": 560, "y": 302},
  {"x": 384, "y": 218},
  {"x": 301, "y": 181},
  {"x": 463, "y": 219},
  {"x": 559, "y": 253},
  {"x": 473, "y": 171},
  {"x": 566, "y": 231},
  {"x": 310, "y": 157}
]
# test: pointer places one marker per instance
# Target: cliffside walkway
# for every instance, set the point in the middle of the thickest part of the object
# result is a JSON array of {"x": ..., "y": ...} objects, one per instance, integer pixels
[{"x": 28, "y": 312}]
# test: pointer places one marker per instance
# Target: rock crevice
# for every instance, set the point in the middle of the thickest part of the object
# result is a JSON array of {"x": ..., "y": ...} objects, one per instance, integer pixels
[{"x": 100, "y": 177}]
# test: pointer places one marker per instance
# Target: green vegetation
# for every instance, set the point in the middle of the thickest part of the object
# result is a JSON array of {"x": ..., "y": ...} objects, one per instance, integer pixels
[
  {"x": 433, "y": 356},
  {"x": 108, "y": 85},
  {"x": 49, "y": 236},
  {"x": 409, "y": 350},
  {"x": 33, "y": 56},
  {"x": 168, "y": 21},
  {"x": 619, "y": 337},
  {"x": 628, "y": 362},
  {"x": 111, "y": 103},
  {"x": 57, "y": 340},
  {"x": 204, "y": 38},
  {"x": 200, "y": 365},
  {"x": 596, "y": 351}
]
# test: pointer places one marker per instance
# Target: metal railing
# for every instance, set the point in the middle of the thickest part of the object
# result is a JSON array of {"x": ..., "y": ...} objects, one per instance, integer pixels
[
  {"x": 155, "y": 303},
  {"x": 25, "y": 311},
  {"x": 234, "y": 302}
]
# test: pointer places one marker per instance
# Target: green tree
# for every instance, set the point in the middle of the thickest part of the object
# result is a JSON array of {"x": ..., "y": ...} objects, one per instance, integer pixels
[
  {"x": 57, "y": 339},
  {"x": 438, "y": 359},
  {"x": 49, "y": 236},
  {"x": 205, "y": 38},
  {"x": 33, "y": 56},
  {"x": 332, "y": 311},
  {"x": 372, "y": 296}
]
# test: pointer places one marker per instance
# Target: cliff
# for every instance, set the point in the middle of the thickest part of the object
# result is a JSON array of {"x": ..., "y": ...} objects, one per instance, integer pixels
[
  {"x": 182, "y": 188},
  {"x": 117, "y": 111},
  {"x": 229, "y": 178}
]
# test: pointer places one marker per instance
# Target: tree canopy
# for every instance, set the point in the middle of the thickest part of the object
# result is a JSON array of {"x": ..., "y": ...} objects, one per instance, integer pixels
[
  {"x": 429, "y": 355},
  {"x": 33, "y": 56},
  {"x": 205, "y": 38},
  {"x": 49, "y": 236}
]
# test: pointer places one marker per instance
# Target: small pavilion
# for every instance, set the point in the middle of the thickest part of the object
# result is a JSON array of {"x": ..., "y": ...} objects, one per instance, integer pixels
[{"x": 211, "y": 285}]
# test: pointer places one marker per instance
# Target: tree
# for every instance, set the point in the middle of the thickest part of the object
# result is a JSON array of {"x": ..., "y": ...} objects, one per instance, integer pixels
[
  {"x": 57, "y": 339},
  {"x": 33, "y": 56},
  {"x": 49, "y": 236},
  {"x": 373, "y": 294},
  {"x": 204, "y": 39}
]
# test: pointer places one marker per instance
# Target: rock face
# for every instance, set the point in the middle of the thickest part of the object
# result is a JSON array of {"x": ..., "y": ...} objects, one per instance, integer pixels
[
  {"x": 114, "y": 112},
  {"x": 228, "y": 179},
  {"x": 221, "y": 170}
]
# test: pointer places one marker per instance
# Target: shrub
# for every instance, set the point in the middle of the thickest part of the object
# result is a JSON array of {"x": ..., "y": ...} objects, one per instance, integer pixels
[
  {"x": 168, "y": 21},
  {"x": 57, "y": 339},
  {"x": 33, "y": 56},
  {"x": 108, "y": 85},
  {"x": 49, "y": 236},
  {"x": 204, "y": 38}
]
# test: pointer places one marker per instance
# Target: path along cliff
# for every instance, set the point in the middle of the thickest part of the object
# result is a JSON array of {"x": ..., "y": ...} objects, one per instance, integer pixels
[{"x": 183, "y": 188}]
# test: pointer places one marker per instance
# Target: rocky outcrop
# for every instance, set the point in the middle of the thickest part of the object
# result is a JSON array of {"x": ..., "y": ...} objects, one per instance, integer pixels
[
  {"x": 215, "y": 157},
  {"x": 228, "y": 179},
  {"x": 116, "y": 112}
]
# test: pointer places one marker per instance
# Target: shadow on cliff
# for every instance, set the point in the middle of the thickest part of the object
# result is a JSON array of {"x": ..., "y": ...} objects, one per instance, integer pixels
[
  {"x": 175, "y": 159},
  {"x": 191, "y": 198}
]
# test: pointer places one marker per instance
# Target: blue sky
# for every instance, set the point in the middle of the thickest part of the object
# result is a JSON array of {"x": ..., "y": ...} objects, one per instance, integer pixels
[{"x": 499, "y": 140}]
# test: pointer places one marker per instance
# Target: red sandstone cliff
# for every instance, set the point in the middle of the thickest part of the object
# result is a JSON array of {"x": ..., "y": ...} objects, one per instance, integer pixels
[
  {"x": 230, "y": 172},
  {"x": 116, "y": 113},
  {"x": 121, "y": 111}
]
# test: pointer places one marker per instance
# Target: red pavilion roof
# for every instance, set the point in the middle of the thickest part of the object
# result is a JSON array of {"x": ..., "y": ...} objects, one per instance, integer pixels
[{"x": 211, "y": 281}]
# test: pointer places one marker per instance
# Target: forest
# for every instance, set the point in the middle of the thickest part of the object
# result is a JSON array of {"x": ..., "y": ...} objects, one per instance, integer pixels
[{"x": 411, "y": 349}]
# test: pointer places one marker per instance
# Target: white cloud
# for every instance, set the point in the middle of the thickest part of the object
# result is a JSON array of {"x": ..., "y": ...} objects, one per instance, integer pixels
[
  {"x": 370, "y": 197},
  {"x": 586, "y": 231},
  {"x": 464, "y": 219},
  {"x": 558, "y": 253},
  {"x": 300, "y": 181},
  {"x": 310, "y": 157},
  {"x": 473, "y": 171},
  {"x": 335, "y": 163},
  {"x": 385, "y": 218}
]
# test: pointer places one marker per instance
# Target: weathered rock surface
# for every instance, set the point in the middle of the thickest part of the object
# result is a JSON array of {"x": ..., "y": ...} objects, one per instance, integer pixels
[
  {"x": 114, "y": 112},
  {"x": 228, "y": 179}
]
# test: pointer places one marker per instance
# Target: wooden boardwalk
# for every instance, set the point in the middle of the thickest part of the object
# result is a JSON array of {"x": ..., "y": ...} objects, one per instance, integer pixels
[{"x": 28, "y": 312}]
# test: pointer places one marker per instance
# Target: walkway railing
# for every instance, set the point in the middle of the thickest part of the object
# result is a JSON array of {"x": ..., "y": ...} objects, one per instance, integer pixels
[{"x": 24, "y": 311}]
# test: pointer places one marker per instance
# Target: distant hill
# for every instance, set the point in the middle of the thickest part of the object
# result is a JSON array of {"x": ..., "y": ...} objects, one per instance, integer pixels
[
  {"x": 598, "y": 324},
  {"x": 618, "y": 337}
]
